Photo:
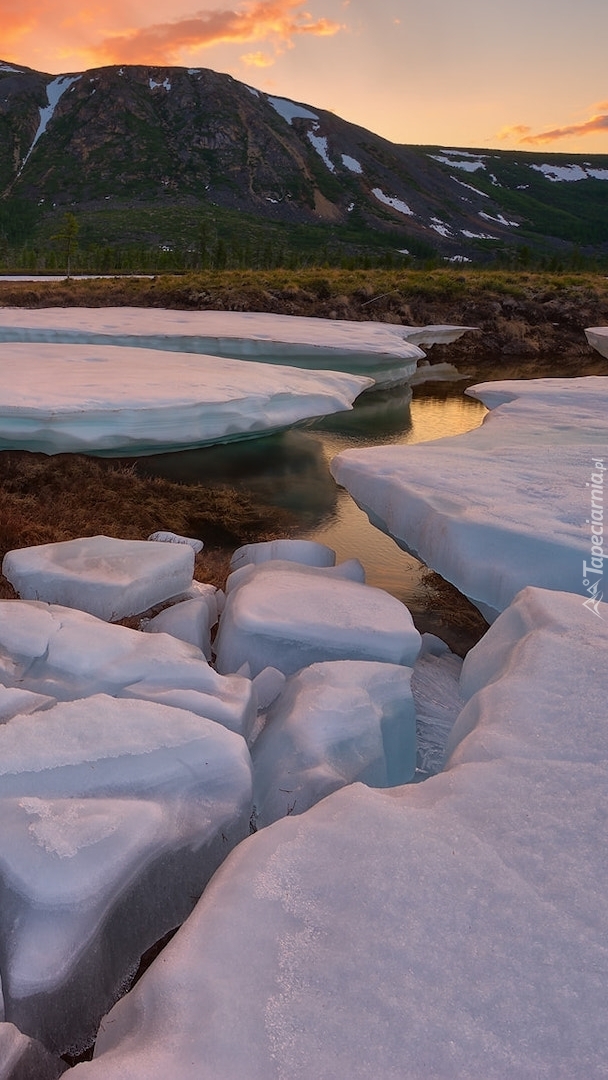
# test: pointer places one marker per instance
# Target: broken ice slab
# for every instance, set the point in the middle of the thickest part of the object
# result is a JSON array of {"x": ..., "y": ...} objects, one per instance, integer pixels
[
  {"x": 288, "y": 616},
  {"x": 115, "y": 815},
  {"x": 107, "y": 577},
  {"x": 66, "y": 654},
  {"x": 333, "y": 724},
  {"x": 190, "y": 620}
]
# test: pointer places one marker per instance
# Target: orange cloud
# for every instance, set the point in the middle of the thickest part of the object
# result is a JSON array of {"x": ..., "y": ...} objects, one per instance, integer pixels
[
  {"x": 513, "y": 131},
  {"x": 162, "y": 43},
  {"x": 257, "y": 59},
  {"x": 595, "y": 124}
]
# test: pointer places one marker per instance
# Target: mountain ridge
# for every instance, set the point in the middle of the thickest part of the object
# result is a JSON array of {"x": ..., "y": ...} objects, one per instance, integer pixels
[{"x": 144, "y": 136}]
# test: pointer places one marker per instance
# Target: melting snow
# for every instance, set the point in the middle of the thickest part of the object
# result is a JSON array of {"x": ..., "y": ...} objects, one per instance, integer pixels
[
  {"x": 290, "y": 111},
  {"x": 466, "y": 165},
  {"x": 570, "y": 173},
  {"x": 320, "y": 144},
  {"x": 440, "y": 226},
  {"x": 477, "y": 235},
  {"x": 499, "y": 219},
  {"x": 390, "y": 200},
  {"x": 470, "y": 187},
  {"x": 351, "y": 163},
  {"x": 166, "y": 85},
  {"x": 54, "y": 91}
]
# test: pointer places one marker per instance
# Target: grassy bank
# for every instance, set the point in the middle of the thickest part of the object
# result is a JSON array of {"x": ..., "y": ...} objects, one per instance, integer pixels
[{"x": 48, "y": 499}]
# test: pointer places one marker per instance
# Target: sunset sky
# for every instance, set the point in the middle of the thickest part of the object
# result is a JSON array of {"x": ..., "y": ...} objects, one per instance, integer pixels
[{"x": 525, "y": 75}]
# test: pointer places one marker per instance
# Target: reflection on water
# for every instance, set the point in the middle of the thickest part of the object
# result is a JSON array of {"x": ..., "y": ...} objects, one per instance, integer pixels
[{"x": 290, "y": 470}]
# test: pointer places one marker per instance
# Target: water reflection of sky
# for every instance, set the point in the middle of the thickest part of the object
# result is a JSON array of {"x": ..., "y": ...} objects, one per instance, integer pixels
[{"x": 290, "y": 470}]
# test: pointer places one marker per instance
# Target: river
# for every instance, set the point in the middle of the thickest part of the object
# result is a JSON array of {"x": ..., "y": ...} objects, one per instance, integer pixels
[{"x": 290, "y": 470}]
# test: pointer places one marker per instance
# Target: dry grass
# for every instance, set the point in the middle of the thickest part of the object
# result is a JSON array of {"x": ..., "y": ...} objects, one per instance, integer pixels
[{"x": 47, "y": 499}]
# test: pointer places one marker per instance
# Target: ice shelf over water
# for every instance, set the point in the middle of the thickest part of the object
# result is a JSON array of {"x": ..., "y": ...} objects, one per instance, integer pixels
[
  {"x": 455, "y": 928},
  {"x": 114, "y": 400},
  {"x": 597, "y": 336},
  {"x": 386, "y": 352},
  {"x": 514, "y": 502}
]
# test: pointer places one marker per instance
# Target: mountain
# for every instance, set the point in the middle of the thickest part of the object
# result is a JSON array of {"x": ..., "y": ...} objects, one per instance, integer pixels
[{"x": 177, "y": 157}]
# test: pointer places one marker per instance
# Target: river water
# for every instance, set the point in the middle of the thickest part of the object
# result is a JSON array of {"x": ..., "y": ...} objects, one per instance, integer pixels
[{"x": 290, "y": 470}]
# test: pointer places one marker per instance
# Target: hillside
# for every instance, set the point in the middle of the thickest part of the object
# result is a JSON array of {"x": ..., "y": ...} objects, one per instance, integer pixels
[{"x": 192, "y": 160}]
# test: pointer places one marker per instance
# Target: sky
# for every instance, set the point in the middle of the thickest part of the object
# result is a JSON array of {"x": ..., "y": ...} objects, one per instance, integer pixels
[{"x": 529, "y": 75}]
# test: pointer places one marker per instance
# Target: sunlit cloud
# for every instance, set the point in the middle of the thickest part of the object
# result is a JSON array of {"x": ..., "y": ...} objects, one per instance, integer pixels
[
  {"x": 257, "y": 59},
  {"x": 162, "y": 43},
  {"x": 514, "y": 131},
  {"x": 524, "y": 135}
]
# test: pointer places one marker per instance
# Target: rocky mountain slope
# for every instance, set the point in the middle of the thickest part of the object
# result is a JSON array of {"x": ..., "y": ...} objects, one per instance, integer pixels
[{"x": 146, "y": 137}]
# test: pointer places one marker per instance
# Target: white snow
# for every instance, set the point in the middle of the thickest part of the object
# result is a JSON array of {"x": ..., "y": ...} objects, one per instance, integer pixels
[
  {"x": 466, "y": 164},
  {"x": 333, "y": 724},
  {"x": 440, "y": 227},
  {"x": 351, "y": 164},
  {"x": 377, "y": 350},
  {"x": 455, "y": 928},
  {"x": 289, "y": 110},
  {"x": 54, "y": 91},
  {"x": 117, "y": 400},
  {"x": 320, "y": 144},
  {"x": 289, "y": 615},
  {"x": 503, "y": 506},
  {"x": 477, "y": 236},
  {"x": 62, "y": 654},
  {"x": 392, "y": 201},
  {"x": 571, "y": 173},
  {"x": 165, "y": 84},
  {"x": 597, "y": 336},
  {"x": 498, "y": 218},
  {"x": 470, "y": 187},
  {"x": 115, "y": 815},
  {"x": 107, "y": 577}
]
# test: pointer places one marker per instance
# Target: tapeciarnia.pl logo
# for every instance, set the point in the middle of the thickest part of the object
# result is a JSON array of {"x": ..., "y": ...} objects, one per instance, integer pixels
[{"x": 593, "y": 571}]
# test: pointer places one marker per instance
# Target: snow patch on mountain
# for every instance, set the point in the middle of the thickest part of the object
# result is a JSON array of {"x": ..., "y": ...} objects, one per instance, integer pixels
[
  {"x": 54, "y": 91},
  {"x": 320, "y": 144},
  {"x": 290, "y": 111},
  {"x": 570, "y": 173},
  {"x": 392, "y": 201}
]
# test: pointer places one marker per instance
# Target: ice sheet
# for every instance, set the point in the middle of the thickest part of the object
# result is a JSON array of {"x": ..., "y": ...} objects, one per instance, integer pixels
[
  {"x": 125, "y": 400},
  {"x": 506, "y": 505},
  {"x": 381, "y": 350},
  {"x": 455, "y": 928}
]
